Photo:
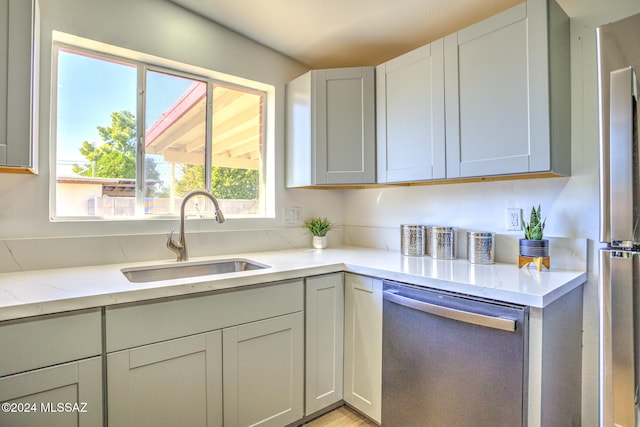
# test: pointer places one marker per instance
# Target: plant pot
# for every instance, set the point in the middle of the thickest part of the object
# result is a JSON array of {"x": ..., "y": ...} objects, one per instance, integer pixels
[
  {"x": 319, "y": 242},
  {"x": 534, "y": 248}
]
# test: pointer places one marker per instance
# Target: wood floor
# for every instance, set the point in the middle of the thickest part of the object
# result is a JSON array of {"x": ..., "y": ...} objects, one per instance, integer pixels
[{"x": 341, "y": 417}]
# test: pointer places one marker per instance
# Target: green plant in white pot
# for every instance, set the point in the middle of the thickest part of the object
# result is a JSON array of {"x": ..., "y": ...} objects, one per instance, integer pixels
[
  {"x": 533, "y": 245},
  {"x": 319, "y": 227}
]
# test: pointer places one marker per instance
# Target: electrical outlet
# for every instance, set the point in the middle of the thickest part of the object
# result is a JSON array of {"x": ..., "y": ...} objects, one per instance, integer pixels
[
  {"x": 514, "y": 219},
  {"x": 293, "y": 216}
]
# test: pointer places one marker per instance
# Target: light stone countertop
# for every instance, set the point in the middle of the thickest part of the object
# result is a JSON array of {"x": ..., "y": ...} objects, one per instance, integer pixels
[{"x": 32, "y": 293}]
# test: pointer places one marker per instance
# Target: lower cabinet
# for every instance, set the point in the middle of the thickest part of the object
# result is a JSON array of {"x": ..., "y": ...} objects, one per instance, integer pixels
[
  {"x": 51, "y": 370},
  {"x": 363, "y": 345},
  {"x": 222, "y": 359},
  {"x": 63, "y": 395},
  {"x": 180, "y": 381},
  {"x": 263, "y": 372},
  {"x": 324, "y": 329},
  {"x": 176, "y": 382}
]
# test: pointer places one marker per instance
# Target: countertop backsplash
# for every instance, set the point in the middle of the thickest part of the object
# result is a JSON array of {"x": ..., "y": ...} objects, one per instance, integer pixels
[
  {"x": 566, "y": 252},
  {"x": 61, "y": 252}
]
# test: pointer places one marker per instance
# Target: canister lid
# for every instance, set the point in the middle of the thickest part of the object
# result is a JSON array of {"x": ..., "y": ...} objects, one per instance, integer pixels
[
  {"x": 412, "y": 226},
  {"x": 481, "y": 234},
  {"x": 440, "y": 229}
]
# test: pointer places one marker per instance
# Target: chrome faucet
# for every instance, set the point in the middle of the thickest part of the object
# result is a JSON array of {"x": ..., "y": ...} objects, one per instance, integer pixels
[{"x": 180, "y": 247}]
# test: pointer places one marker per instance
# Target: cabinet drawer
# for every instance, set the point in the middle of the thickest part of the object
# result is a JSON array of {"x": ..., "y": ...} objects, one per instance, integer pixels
[
  {"x": 133, "y": 325},
  {"x": 49, "y": 340}
]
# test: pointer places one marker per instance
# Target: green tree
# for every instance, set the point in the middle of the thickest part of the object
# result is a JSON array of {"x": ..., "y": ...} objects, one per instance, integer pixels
[
  {"x": 227, "y": 183},
  {"x": 230, "y": 183},
  {"x": 192, "y": 179},
  {"x": 116, "y": 156}
]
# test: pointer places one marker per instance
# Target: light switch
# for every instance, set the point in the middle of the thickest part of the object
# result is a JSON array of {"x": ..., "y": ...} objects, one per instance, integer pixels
[{"x": 293, "y": 216}]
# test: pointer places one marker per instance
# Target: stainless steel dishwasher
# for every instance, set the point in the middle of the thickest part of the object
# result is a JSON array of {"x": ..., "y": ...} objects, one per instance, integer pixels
[{"x": 451, "y": 360}]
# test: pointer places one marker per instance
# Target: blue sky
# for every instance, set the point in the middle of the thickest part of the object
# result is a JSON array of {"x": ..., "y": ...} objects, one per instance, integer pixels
[{"x": 90, "y": 90}]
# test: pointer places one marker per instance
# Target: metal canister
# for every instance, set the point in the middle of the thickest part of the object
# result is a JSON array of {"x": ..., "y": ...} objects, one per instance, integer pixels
[
  {"x": 442, "y": 242},
  {"x": 481, "y": 247},
  {"x": 428, "y": 239},
  {"x": 413, "y": 240}
]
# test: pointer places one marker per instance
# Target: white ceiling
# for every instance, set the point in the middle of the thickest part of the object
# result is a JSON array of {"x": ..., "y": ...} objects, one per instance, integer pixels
[{"x": 342, "y": 33}]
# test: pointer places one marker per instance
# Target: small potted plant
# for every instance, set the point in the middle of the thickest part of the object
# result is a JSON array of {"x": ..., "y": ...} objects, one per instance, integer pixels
[
  {"x": 319, "y": 227},
  {"x": 533, "y": 245}
]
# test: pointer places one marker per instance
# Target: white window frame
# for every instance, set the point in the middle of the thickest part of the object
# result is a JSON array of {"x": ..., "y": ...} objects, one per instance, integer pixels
[{"x": 144, "y": 63}]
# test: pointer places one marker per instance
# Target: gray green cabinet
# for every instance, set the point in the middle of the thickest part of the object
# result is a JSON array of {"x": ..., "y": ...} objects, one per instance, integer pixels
[
  {"x": 330, "y": 131},
  {"x": 363, "y": 345},
  {"x": 410, "y": 116},
  {"x": 19, "y": 22},
  {"x": 224, "y": 358},
  {"x": 263, "y": 372},
  {"x": 63, "y": 395},
  {"x": 180, "y": 381},
  {"x": 175, "y": 382},
  {"x": 51, "y": 370},
  {"x": 324, "y": 329},
  {"x": 507, "y": 90}
]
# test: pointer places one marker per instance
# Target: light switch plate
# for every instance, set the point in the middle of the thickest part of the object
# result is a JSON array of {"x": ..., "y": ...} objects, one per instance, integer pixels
[{"x": 293, "y": 216}]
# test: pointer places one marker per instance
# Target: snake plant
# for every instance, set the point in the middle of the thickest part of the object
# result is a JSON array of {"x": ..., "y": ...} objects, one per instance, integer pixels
[{"x": 535, "y": 228}]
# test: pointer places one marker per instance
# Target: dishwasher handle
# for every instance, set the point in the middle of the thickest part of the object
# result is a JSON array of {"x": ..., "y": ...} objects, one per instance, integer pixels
[{"x": 501, "y": 323}]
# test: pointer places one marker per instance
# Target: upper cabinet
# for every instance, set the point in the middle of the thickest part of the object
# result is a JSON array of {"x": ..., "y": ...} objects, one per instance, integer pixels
[
  {"x": 330, "y": 136},
  {"x": 493, "y": 99},
  {"x": 508, "y": 94},
  {"x": 18, "y": 31},
  {"x": 410, "y": 116}
]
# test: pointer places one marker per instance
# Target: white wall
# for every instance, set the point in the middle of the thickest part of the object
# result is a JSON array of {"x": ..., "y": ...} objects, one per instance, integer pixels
[
  {"x": 570, "y": 204},
  {"x": 165, "y": 30}
]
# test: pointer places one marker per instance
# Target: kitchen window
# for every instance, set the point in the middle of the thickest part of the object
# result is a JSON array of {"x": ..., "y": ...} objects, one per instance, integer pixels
[{"x": 132, "y": 137}]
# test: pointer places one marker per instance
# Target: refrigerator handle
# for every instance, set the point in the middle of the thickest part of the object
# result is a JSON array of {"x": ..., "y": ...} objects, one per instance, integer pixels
[
  {"x": 622, "y": 170},
  {"x": 618, "y": 370}
]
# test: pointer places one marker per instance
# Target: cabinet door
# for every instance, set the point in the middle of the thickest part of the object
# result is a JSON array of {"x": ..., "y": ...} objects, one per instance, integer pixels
[
  {"x": 17, "y": 28},
  {"x": 410, "y": 116},
  {"x": 344, "y": 125},
  {"x": 324, "y": 341},
  {"x": 487, "y": 92},
  {"x": 263, "y": 372},
  {"x": 173, "y": 383},
  {"x": 62, "y": 395},
  {"x": 363, "y": 345}
]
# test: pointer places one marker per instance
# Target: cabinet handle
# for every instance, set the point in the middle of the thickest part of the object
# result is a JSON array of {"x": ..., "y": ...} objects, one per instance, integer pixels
[{"x": 501, "y": 323}]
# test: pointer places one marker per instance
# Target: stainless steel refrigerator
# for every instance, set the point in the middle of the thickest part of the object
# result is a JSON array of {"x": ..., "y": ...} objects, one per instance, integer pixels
[{"x": 618, "y": 46}]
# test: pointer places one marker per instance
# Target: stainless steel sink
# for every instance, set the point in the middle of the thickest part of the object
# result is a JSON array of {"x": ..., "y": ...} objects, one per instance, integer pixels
[{"x": 193, "y": 269}]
